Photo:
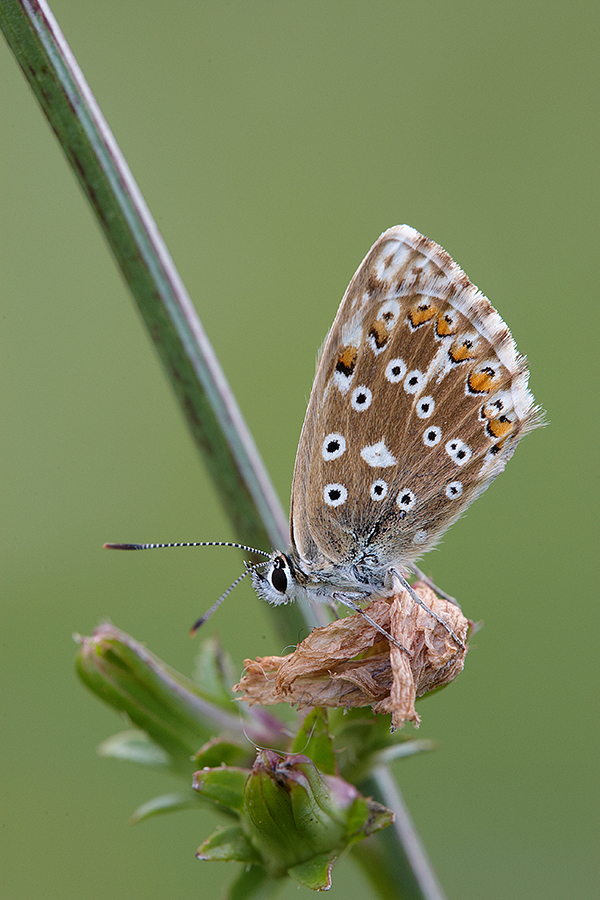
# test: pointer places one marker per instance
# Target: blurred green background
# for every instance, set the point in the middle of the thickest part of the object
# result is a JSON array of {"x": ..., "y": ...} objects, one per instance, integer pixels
[{"x": 274, "y": 141}]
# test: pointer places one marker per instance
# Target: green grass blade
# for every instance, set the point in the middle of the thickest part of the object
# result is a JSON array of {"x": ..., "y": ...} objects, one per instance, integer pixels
[{"x": 211, "y": 412}]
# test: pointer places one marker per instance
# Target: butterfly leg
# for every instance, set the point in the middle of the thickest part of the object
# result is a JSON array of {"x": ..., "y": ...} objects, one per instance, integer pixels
[
  {"x": 426, "y": 580},
  {"x": 394, "y": 573},
  {"x": 345, "y": 600}
]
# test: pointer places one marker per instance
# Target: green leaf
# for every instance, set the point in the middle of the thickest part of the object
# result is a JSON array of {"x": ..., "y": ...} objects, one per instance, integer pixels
[
  {"x": 214, "y": 673},
  {"x": 314, "y": 740},
  {"x": 218, "y": 752},
  {"x": 135, "y": 746},
  {"x": 166, "y": 804},
  {"x": 401, "y": 750}
]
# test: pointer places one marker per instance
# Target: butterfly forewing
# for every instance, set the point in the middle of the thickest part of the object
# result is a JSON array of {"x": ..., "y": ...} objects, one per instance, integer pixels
[{"x": 419, "y": 400}]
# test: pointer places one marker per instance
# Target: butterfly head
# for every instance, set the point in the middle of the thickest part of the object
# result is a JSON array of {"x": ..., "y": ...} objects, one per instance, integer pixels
[{"x": 278, "y": 582}]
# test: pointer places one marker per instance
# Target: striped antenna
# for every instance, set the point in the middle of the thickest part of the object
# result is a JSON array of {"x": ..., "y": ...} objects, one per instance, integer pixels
[
  {"x": 186, "y": 544},
  {"x": 218, "y": 602}
]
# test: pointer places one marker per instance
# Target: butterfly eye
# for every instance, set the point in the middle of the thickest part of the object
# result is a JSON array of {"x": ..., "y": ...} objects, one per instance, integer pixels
[{"x": 278, "y": 577}]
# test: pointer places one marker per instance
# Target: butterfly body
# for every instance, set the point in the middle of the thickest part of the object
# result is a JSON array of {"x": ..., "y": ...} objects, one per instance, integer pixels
[
  {"x": 288, "y": 578},
  {"x": 419, "y": 400}
]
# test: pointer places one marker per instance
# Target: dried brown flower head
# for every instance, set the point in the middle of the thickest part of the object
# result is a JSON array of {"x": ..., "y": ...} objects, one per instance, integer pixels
[{"x": 348, "y": 663}]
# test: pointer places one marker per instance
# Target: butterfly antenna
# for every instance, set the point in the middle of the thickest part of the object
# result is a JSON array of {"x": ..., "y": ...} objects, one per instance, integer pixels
[
  {"x": 186, "y": 544},
  {"x": 216, "y": 604},
  {"x": 249, "y": 568}
]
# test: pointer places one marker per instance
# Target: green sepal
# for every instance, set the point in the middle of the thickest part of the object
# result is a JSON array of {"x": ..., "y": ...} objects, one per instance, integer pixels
[
  {"x": 294, "y": 814},
  {"x": 228, "y": 844},
  {"x": 320, "y": 806},
  {"x": 316, "y": 873},
  {"x": 173, "y": 710},
  {"x": 365, "y": 817},
  {"x": 268, "y": 819},
  {"x": 224, "y": 786}
]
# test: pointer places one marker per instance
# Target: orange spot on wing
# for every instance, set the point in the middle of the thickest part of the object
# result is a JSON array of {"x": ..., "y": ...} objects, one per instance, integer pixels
[
  {"x": 500, "y": 427},
  {"x": 461, "y": 352},
  {"x": 422, "y": 313},
  {"x": 346, "y": 360},
  {"x": 481, "y": 382},
  {"x": 445, "y": 325}
]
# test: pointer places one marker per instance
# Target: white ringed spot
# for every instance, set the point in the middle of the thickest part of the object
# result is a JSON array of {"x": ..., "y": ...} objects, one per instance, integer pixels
[
  {"x": 379, "y": 489},
  {"x": 361, "y": 398},
  {"x": 425, "y": 407},
  {"x": 454, "y": 490},
  {"x": 333, "y": 447},
  {"x": 405, "y": 499},
  {"x": 420, "y": 536},
  {"x": 335, "y": 494},
  {"x": 378, "y": 456},
  {"x": 395, "y": 370},
  {"x": 414, "y": 382},
  {"x": 432, "y": 436},
  {"x": 459, "y": 452}
]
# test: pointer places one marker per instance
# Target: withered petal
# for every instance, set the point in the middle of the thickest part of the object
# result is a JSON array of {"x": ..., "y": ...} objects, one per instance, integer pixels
[{"x": 348, "y": 663}]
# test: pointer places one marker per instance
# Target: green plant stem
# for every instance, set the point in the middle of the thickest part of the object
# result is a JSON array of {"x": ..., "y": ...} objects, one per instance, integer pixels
[
  {"x": 395, "y": 860},
  {"x": 210, "y": 410}
]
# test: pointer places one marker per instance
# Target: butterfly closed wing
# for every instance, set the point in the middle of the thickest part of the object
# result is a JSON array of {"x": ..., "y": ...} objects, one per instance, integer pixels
[{"x": 419, "y": 400}]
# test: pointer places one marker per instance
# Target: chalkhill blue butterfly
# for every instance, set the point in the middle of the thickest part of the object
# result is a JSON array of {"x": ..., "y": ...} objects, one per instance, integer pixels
[{"x": 419, "y": 400}]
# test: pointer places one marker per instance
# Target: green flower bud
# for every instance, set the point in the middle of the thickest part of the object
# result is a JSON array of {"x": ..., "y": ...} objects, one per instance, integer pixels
[{"x": 296, "y": 819}]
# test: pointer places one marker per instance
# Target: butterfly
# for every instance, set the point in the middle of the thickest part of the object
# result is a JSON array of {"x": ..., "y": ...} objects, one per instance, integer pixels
[{"x": 419, "y": 400}]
